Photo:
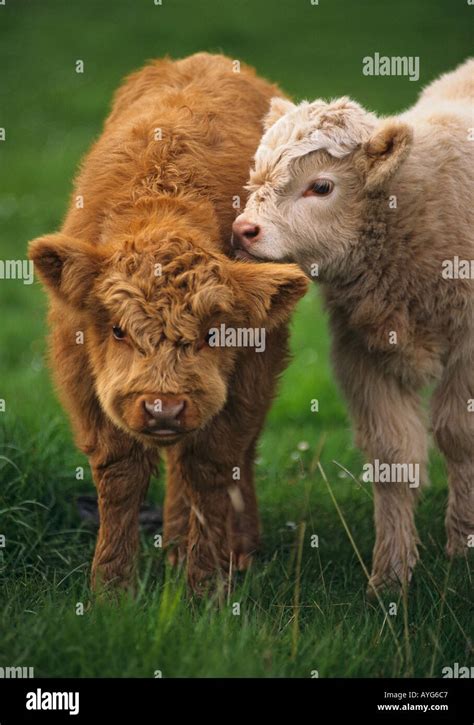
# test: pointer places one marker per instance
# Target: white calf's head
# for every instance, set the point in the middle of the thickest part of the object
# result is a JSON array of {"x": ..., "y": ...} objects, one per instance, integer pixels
[{"x": 317, "y": 166}]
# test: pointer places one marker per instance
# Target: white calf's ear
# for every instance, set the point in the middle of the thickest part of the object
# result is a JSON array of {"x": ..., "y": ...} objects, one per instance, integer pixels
[
  {"x": 278, "y": 108},
  {"x": 385, "y": 151}
]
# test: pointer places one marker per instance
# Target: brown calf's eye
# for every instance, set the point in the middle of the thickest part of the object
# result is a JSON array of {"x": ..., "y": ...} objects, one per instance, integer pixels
[
  {"x": 118, "y": 333},
  {"x": 320, "y": 187}
]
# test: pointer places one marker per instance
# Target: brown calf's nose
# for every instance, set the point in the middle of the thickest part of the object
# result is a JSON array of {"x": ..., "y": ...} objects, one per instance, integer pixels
[
  {"x": 245, "y": 231},
  {"x": 164, "y": 408}
]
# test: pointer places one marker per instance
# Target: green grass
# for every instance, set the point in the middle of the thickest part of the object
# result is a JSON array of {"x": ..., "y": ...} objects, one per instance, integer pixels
[{"x": 294, "y": 618}]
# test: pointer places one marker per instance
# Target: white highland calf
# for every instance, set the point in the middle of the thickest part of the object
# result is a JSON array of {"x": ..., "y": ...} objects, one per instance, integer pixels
[{"x": 377, "y": 210}]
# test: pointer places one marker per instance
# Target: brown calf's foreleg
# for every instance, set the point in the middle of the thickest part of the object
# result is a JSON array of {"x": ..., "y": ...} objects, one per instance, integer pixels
[
  {"x": 121, "y": 470},
  {"x": 245, "y": 520},
  {"x": 176, "y": 510},
  {"x": 212, "y": 510}
]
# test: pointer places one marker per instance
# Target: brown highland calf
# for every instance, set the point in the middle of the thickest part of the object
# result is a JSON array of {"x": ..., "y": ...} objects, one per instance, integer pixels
[
  {"x": 380, "y": 212},
  {"x": 140, "y": 268}
]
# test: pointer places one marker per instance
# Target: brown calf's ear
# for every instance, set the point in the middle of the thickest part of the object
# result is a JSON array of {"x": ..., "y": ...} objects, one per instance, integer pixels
[
  {"x": 268, "y": 291},
  {"x": 278, "y": 108},
  {"x": 67, "y": 266},
  {"x": 385, "y": 151}
]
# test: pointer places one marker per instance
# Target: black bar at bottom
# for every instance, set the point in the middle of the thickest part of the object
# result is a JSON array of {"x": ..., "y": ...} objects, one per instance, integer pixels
[{"x": 219, "y": 700}]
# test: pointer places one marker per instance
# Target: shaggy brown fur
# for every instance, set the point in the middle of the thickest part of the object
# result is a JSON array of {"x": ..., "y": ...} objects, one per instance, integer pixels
[
  {"x": 376, "y": 209},
  {"x": 145, "y": 261}
]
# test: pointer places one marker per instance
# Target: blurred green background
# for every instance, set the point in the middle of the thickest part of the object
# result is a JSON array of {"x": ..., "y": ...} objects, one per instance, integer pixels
[{"x": 51, "y": 115}]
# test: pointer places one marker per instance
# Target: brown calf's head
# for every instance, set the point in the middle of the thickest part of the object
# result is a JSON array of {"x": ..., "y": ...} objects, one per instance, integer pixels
[
  {"x": 316, "y": 171},
  {"x": 148, "y": 315}
]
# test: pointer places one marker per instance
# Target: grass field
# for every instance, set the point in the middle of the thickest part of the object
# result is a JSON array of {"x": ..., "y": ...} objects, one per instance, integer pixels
[{"x": 302, "y": 609}]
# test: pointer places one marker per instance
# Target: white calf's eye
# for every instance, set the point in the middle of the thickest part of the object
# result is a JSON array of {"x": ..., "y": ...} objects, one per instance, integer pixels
[{"x": 320, "y": 187}]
